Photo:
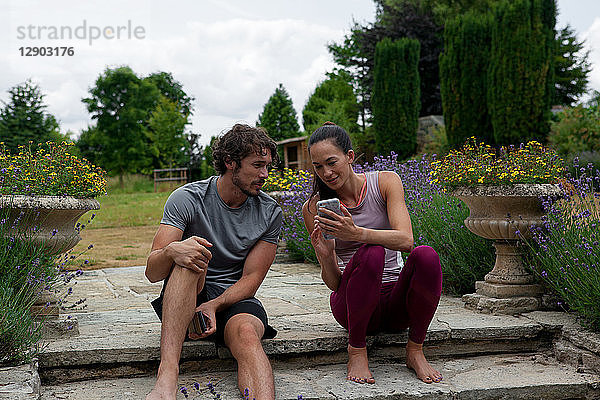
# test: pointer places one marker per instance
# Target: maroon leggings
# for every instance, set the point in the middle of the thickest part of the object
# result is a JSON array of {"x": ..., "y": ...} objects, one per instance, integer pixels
[{"x": 362, "y": 304}]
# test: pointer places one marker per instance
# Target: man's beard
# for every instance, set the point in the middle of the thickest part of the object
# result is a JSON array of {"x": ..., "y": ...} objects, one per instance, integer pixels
[{"x": 238, "y": 182}]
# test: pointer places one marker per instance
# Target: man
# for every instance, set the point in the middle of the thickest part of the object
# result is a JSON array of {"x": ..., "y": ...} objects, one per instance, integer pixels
[{"x": 216, "y": 241}]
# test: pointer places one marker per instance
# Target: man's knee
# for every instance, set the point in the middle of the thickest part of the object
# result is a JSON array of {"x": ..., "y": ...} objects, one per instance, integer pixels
[
  {"x": 243, "y": 332},
  {"x": 182, "y": 271},
  {"x": 181, "y": 276}
]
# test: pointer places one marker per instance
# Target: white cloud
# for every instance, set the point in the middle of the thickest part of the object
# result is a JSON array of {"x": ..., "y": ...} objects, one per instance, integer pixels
[
  {"x": 229, "y": 54},
  {"x": 231, "y": 67},
  {"x": 592, "y": 40}
]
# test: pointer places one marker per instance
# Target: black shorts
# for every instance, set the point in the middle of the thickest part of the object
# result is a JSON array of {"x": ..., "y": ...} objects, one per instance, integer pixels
[{"x": 251, "y": 306}]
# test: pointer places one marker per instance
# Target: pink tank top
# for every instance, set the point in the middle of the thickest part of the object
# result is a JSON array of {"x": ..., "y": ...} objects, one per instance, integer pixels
[{"x": 371, "y": 213}]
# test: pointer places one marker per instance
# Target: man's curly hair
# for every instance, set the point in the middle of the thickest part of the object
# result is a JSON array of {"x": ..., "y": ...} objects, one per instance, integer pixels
[{"x": 240, "y": 141}]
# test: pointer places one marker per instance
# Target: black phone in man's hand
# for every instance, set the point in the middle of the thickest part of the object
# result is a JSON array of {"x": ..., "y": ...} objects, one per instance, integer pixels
[{"x": 198, "y": 323}]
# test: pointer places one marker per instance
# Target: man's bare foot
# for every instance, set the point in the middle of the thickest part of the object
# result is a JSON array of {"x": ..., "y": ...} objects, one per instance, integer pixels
[
  {"x": 358, "y": 365},
  {"x": 166, "y": 385},
  {"x": 158, "y": 394},
  {"x": 415, "y": 360}
]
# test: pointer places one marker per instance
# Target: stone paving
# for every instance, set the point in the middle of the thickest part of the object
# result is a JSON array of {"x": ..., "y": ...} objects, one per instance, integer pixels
[
  {"x": 484, "y": 377},
  {"x": 119, "y": 320},
  {"x": 481, "y": 356}
]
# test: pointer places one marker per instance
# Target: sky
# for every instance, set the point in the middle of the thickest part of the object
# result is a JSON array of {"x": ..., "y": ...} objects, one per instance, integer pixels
[{"x": 228, "y": 54}]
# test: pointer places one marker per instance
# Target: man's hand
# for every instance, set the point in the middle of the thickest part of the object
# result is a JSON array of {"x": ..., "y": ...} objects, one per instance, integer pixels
[
  {"x": 209, "y": 310},
  {"x": 191, "y": 253}
]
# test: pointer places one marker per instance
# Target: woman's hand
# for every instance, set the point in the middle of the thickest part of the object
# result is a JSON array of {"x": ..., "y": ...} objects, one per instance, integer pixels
[
  {"x": 342, "y": 227},
  {"x": 322, "y": 246}
]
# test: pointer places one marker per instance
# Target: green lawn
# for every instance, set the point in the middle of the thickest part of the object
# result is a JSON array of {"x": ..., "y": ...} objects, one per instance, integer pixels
[{"x": 128, "y": 209}]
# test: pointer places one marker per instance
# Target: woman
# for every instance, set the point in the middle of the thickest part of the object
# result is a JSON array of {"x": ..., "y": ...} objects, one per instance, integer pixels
[{"x": 371, "y": 292}]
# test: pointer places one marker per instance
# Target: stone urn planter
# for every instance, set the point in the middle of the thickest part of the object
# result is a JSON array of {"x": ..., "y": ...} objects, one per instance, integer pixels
[
  {"x": 50, "y": 222},
  {"x": 497, "y": 212}
]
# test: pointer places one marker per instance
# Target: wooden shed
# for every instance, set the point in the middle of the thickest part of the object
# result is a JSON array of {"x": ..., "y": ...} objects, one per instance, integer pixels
[{"x": 295, "y": 153}]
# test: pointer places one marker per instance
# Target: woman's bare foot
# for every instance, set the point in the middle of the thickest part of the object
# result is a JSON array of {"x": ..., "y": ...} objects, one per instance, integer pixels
[
  {"x": 358, "y": 365},
  {"x": 415, "y": 360}
]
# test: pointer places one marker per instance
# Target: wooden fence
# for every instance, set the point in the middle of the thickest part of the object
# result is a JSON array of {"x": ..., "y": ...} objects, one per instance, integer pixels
[{"x": 179, "y": 175}]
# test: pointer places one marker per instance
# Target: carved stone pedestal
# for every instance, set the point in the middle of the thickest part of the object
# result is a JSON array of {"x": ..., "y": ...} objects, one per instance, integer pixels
[{"x": 504, "y": 214}]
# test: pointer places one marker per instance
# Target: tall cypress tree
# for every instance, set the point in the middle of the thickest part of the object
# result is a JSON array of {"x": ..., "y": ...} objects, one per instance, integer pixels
[
  {"x": 549, "y": 11},
  {"x": 279, "y": 116},
  {"x": 396, "y": 96},
  {"x": 519, "y": 90},
  {"x": 463, "y": 78}
]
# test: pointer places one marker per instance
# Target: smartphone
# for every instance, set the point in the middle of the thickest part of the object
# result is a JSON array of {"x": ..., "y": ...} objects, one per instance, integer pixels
[
  {"x": 330, "y": 204},
  {"x": 197, "y": 324}
]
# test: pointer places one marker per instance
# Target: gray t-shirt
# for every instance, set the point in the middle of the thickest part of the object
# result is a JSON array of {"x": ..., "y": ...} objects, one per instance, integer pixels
[{"x": 197, "y": 209}]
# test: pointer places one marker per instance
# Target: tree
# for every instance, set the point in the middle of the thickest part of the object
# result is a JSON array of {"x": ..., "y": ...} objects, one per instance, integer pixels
[
  {"x": 172, "y": 90},
  {"x": 121, "y": 103},
  {"x": 90, "y": 144},
  {"x": 549, "y": 11},
  {"x": 354, "y": 64},
  {"x": 463, "y": 78},
  {"x": 200, "y": 160},
  {"x": 444, "y": 10},
  {"x": 278, "y": 116},
  {"x": 140, "y": 122},
  {"x": 333, "y": 100},
  {"x": 24, "y": 118},
  {"x": 518, "y": 92},
  {"x": 207, "y": 167},
  {"x": 166, "y": 130},
  {"x": 572, "y": 68},
  {"x": 395, "y": 97},
  {"x": 394, "y": 20}
]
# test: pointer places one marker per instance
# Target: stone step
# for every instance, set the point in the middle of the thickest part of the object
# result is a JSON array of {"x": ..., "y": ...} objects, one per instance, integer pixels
[
  {"x": 502, "y": 376},
  {"x": 124, "y": 343},
  {"x": 20, "y": 383}
]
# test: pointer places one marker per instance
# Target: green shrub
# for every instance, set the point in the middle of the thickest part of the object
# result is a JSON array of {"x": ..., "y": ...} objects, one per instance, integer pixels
[
  {"x": 463, "y": 78},
  {"x": 566, "y": 250},
  {"x": 439, "y": 145},
  {"x": 577, "y": 130},
  {"x": 438, "y": 221},
  {"x": 396, "y": 98},
  {"x": 19, "y": 333},
  {"x": 293, "y": 232},
  {"x": 26, "y": 272},
  {"x": 520, "y": 71}
]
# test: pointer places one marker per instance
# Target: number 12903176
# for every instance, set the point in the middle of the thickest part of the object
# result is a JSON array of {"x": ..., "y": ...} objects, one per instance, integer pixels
[{"x": 47, "y": 51}]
